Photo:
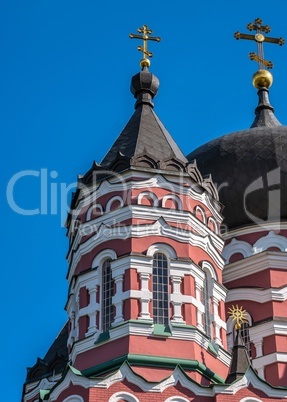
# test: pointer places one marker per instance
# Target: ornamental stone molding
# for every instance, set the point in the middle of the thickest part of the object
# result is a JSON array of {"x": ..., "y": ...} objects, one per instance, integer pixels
[{"x": 264, "y": 243}]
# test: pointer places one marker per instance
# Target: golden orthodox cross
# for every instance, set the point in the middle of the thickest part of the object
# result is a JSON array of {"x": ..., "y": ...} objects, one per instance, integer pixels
[
  {"x": 259, "y": 39},
  {"x": 145, "y": 31}
]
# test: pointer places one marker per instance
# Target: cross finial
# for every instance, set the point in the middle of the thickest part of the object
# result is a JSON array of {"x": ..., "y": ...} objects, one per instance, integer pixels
[
  {"x": 145, "y": 31},
  {"x": 259, "y": 38}
]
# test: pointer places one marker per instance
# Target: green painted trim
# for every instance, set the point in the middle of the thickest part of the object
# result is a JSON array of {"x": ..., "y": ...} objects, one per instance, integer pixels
[
  {"x": 153, "y": 361},
  {"x": 159, "y": 361},
  {"x": 161, "y": 330},
  {"x": 103, "y": 367},
  {"x": 43, "y": 393},
  {"x": 104, "y": 336},
  {"x": 144, "y": 322},
  {"x": 178, "y": 325},
  {"x": 213, "y": 348}
]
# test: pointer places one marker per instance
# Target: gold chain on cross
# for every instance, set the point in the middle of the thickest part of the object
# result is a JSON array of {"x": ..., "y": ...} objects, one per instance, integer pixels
[
  {"x": 259, "y": 38},
  {"x": 145, "y": 31}
]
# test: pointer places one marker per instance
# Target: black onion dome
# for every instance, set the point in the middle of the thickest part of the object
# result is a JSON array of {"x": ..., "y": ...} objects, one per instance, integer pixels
[
  {"x": 249, "y": 168},
  {"x": 144, "y": 86}
]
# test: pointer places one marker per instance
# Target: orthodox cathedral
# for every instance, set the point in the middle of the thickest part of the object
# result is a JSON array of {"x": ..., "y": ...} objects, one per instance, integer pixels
[{"x": 177, "y": 287}]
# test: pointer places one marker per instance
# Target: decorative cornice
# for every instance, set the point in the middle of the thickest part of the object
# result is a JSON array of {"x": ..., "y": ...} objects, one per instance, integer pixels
[
  {"x": 254, "y": 264},
  {"x": 257, "y": 295},
  {"x": 131, "y": 181},
  {"x": 263, "y": 243},
  {"x": 158, "y": 228},
  {"x": 145, "y": 328},
  {"x": 143, "y": 212},
  {"x": 178, "y": 376},
  {"x": 273, "y": 226}
]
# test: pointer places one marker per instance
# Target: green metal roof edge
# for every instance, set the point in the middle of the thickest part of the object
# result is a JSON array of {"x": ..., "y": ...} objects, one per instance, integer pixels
[{"x": 153, "y": 361}]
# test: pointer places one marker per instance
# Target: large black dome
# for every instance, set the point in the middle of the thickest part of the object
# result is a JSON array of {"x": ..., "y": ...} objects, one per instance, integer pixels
[{"x": 249, "y": 168}]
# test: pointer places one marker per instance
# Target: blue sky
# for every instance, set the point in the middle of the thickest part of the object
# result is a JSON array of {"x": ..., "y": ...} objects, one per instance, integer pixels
[{"x": 65, "y": 77}]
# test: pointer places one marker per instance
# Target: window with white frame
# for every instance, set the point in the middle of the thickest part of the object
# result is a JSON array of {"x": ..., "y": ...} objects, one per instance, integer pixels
[
  {"x": 107, "y": 294},
  {"x": 206, "y": 303},
  {"x": 244, "y": 332},
  {"x": 160, "y": 289}
]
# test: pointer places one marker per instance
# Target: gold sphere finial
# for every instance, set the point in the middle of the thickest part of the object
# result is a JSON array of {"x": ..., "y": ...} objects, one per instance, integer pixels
[
  {"x": 262, "y": 78},
  {"x": 144, "y": 63}
]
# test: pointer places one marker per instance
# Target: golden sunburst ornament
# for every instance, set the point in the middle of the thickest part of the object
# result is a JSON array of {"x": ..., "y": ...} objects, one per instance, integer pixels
[{"x": 237, "y": 314}]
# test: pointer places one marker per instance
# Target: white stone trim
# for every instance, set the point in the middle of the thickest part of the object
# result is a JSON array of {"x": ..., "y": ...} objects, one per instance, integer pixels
[
  {"x": 166, "y": 249},
  {"x": 74, "y": 398},
  {"x": 201, "y": 212},
  {"x": 255, "y": 264},
  {"x": 144, "y": 295},
  {"x": 90, "y": 211},
  {"x": 182, "y": 332},
  {"x": 148, "y": 194},
  {"x": 158, "y": 228},
  {"x": 271, "y": 240},
  {"x": 257, "y": 295},
  {"x": 111, "y": 201},
  {"x": 267, "y": 329},
  {"x": 148, "y": 180},
  {"x": 32, "y": 389},
  {"x": 206, "y": 266},
  {"x": 174, "y": 198},
  {"x": 264, "y": 361},
  {"x": 102, "y": 256},
  {"x": 123, "y": 395},
  {"x": 237, "y": 246},
  {"x": 250, "y": 399},
  {"x": 211, "y": 219},
  {"x": 145, "y": 213},
  {"x": 177, "y": 399},
  {"x": 273, "y": 226},
  {"x": 177, "y": 377}
]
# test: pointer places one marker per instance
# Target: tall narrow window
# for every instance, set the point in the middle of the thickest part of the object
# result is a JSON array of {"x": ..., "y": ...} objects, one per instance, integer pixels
[
  {"x": 160, "y": 289},
  {"x": 206, "y": 303},
  {"x": 107, "y": 294},
  {"x": 244, "y": 332}
]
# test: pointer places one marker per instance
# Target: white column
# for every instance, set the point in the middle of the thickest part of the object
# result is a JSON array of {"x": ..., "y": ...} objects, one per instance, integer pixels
[
  {"x": 177, "y": 296},
  {"x": 118, "y": 300},
  {"x": 258, "y": 346},
  {"x": 92, "y": 315},
  {"x": 198, "y": 290},
  {"x": 260, "y": 372},
  {"x": 77, "y": 317},
  {"x": 217, "y": 326},
  {"x": 145, "y": 295}
]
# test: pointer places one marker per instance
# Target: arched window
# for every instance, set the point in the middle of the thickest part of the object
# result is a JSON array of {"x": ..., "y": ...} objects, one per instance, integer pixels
[
  {"x": 160, "y": 289},
  {"x": 206, "y": 303},
  {"x": 107, "y": 294}
]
